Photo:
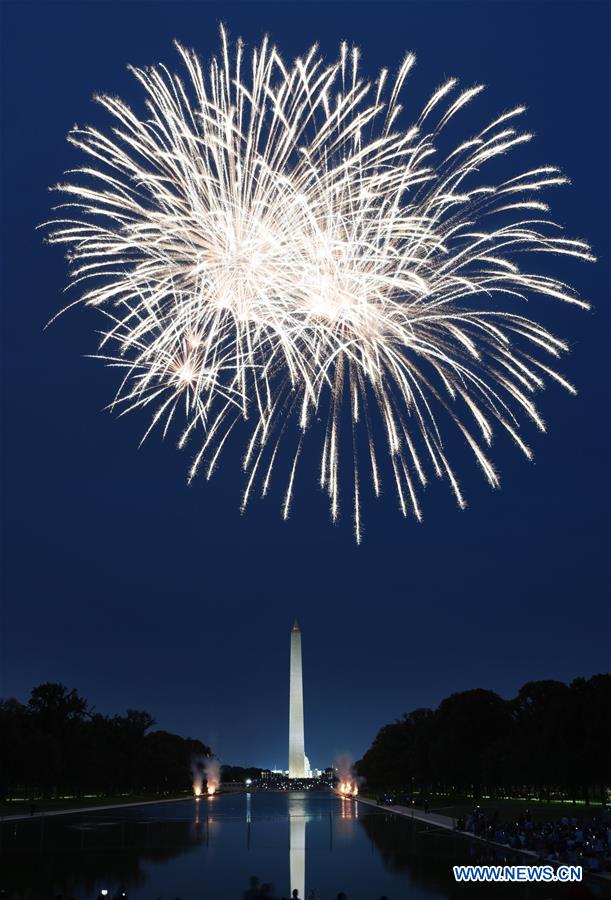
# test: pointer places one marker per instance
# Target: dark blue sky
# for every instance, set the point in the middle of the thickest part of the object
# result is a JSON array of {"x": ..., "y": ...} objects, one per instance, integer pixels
[{"x": 142, "y": 592}]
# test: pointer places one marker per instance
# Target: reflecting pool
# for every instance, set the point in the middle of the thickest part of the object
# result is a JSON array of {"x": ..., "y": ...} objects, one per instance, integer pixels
[{"x": 211, "y": 849}]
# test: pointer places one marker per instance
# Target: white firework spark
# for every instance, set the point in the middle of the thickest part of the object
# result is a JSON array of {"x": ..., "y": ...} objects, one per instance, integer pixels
[{"x": 270, "y": 246}]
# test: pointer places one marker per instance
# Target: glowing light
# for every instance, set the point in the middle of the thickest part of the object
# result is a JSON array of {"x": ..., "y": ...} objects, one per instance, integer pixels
[
  {"x": 212, "y": 768},
  {"x": 271, "y": 244},
  {"x": 348, "y": 782},
  {"x": 197, "y": 790},
  {"x": 348, "y": 788}
]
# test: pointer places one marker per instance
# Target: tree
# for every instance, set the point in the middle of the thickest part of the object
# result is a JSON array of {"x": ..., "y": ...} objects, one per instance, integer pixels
[
  {"x": 463, "y": 727},
  {"x": 55, "y": 706},
  {"x": 399, "y": 753},
  {"x": 551, "y": 738},
  {"x": 57, "y": 744}
]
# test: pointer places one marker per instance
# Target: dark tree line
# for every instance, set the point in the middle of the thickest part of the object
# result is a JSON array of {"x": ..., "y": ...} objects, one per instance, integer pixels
[
  {"x": 240, "y": 773},
  {"x": 552, "y": 740},
  {"x": 56, "y": 745}
]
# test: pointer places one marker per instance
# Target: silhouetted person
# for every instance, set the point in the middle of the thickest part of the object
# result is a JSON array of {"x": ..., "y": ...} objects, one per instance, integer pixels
[
  {"x": 342, "y": 896},
  {"x": 426, "y": 806},
  {"x": 295, "y": 895},
  {"x": 253, "y": 891}
]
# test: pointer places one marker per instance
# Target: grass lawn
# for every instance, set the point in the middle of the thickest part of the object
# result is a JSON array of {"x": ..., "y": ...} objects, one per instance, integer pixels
[
  {"x": 508, "y": 808},
  {"x": 17, "y": 807}
]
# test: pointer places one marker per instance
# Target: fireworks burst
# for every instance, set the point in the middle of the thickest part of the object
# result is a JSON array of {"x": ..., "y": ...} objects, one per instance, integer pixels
[{"x": 270, "y": 246}]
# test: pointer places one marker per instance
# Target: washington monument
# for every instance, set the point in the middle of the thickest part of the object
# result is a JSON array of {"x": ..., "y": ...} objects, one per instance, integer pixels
[{"x": 297, "y": 765}]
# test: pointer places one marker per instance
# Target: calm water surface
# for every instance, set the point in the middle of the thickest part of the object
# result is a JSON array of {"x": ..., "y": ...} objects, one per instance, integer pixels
[{"x": 208, "y": 850}]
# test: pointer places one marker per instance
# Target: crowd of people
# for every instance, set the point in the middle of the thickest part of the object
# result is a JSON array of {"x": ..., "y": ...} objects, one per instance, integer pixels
[{"x": 569, "y": 840}]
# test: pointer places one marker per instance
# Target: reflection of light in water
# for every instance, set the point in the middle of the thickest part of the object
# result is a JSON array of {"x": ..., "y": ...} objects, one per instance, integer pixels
[
  {"x": 248, "y": 808},
  {"x": 348, "y": 808},
  {"x": 201, "y": 825},
  {"x": 202, "y": 834},
  {"x": 298, "y": 817},
  {"x": 297, "y": 847}
]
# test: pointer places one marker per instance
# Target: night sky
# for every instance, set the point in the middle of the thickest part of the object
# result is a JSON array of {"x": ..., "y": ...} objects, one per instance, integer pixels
[{"x": 121, "y": 580}]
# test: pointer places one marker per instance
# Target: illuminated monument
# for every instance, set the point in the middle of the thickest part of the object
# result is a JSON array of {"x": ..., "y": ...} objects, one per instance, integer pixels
[{"x": 297, "y": 760}]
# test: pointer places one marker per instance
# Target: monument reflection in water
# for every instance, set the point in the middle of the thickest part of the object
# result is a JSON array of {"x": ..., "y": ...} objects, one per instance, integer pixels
[
  {"x": 297, "y": 850},
  {"x": 298, "y": 821},
  {"x": 298, "y": 818}
]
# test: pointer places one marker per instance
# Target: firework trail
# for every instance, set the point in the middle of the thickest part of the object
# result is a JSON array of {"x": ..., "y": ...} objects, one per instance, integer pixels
[{"x": 272, "y": 249}]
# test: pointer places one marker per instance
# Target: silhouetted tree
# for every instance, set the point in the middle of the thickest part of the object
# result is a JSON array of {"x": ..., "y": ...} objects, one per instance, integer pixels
[
  {"x": 462, "y": 728},
  {"x": 552, "y": 738},
  {"x": 56, "y": 744}
]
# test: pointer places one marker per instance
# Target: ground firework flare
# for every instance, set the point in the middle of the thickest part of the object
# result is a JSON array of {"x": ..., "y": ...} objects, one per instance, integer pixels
[{"x": 280, "y": 257}]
